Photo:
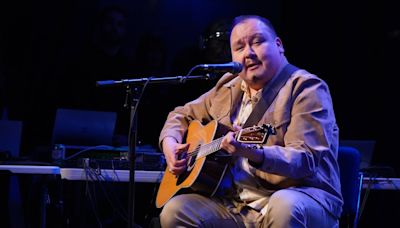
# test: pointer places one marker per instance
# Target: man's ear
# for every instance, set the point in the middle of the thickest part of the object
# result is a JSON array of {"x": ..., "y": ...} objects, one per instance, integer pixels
[{"x": 279, "y": 44}]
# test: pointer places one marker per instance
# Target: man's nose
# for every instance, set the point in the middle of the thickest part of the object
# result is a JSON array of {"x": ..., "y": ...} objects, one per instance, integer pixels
[{"x": 249, "y": 52}]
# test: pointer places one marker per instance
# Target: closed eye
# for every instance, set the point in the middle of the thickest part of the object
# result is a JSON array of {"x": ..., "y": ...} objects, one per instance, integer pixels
[
  {"x": 258, "y": 41},
  {"x": 238, "y": 48}
]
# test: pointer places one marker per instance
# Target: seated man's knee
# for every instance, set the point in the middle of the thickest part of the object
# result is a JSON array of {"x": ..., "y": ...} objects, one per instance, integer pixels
[
  {"x": 170, "y": 210},
  {"x": 188, "y": 210},
  {"x": 285, "y": 208},
  {"x": 193, "y": 210}
]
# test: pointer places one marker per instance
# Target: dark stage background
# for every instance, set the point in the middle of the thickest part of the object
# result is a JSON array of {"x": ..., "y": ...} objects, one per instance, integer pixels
[{"x": 49, "y": 60}]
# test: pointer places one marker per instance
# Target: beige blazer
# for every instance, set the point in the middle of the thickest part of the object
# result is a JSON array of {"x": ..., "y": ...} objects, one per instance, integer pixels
[{"x": 302, "y": 154}]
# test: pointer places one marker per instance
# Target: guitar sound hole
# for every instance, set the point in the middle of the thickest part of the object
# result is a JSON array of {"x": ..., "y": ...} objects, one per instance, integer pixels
[
  {"x": 190, "y": 164},
  {"x": 182, "y": 177}
]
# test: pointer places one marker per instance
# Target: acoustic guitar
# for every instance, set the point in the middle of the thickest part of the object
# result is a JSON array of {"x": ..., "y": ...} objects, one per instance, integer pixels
[{"x": 205, "y": 169}]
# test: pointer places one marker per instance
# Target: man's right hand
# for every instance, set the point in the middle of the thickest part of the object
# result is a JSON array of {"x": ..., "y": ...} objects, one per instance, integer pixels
[{"x": 172, "y": 150}]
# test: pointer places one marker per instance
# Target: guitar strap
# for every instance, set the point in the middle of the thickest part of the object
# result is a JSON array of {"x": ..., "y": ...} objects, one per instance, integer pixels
[{"x": 268, "y": 95}]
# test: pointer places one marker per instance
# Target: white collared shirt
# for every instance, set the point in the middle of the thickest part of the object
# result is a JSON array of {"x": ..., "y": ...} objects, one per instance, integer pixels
[{"x": 250, "y": 191}]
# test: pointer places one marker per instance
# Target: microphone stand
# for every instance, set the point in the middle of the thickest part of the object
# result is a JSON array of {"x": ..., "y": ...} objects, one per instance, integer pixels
[{"x": 135, "y": 93}]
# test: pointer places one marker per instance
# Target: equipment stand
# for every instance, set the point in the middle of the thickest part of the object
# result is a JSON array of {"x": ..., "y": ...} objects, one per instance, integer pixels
[
  {"x": 134, "y": 90},
  {"x": 135, "y": 94}
]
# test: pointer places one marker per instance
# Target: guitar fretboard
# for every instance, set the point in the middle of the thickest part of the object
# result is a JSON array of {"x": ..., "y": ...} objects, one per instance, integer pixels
[
  {"x": 206, "y": 149},
  {"x": 255, "y": 134}
]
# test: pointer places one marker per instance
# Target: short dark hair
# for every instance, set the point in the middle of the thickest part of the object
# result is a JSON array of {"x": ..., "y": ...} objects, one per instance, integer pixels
[{"x": 239, "y": 19}]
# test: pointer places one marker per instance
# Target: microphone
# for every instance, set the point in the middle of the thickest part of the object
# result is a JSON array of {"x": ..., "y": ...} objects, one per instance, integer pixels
[{"x": 232, "y": 67}]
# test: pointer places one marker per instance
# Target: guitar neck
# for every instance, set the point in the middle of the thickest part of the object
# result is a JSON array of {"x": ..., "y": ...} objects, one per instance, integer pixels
[
  {"x": 207, "y": 149},
  {"x": 255, "y": 134}
]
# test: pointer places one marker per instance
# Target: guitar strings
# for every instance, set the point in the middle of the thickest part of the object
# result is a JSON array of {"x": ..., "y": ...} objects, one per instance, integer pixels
[
  {"x": 215, "y": 144},
  {"x": 211, "y": 147}
]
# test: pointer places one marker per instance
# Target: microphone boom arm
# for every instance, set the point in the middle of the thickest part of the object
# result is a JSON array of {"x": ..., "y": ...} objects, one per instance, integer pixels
[
  {"x": 174, "y": 79},
  {"x": 232, "y": 67}
]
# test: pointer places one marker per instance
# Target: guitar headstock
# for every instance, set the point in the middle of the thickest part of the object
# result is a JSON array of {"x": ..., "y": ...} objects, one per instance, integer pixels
[{"x": 255, "y": 134}]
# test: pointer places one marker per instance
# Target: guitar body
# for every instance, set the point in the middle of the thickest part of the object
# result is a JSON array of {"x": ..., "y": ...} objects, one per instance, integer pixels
[
  {"x": 203, "y": 175},
  {"x": 205, "y": 170}
]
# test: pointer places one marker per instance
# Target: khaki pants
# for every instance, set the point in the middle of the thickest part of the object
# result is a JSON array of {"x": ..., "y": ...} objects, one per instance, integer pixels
[{"x": 285, "y": 208}]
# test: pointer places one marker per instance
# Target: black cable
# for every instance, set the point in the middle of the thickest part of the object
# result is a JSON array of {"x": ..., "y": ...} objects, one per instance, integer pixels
[
  {"x": 366, "y": 194},
  {"x": 117, "y": 208},
  {"x": 88, "y": 149},
  {"x": 191, "y": 70},
  {"x": 132, "y": 151},
  {"x": 140, "y": 98},
  {"x": 91, "y": 200},
  {"x": 96, "y": 175},
  {"x": 92, "y": 172},
  {"x": 152, "y": 201}
]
